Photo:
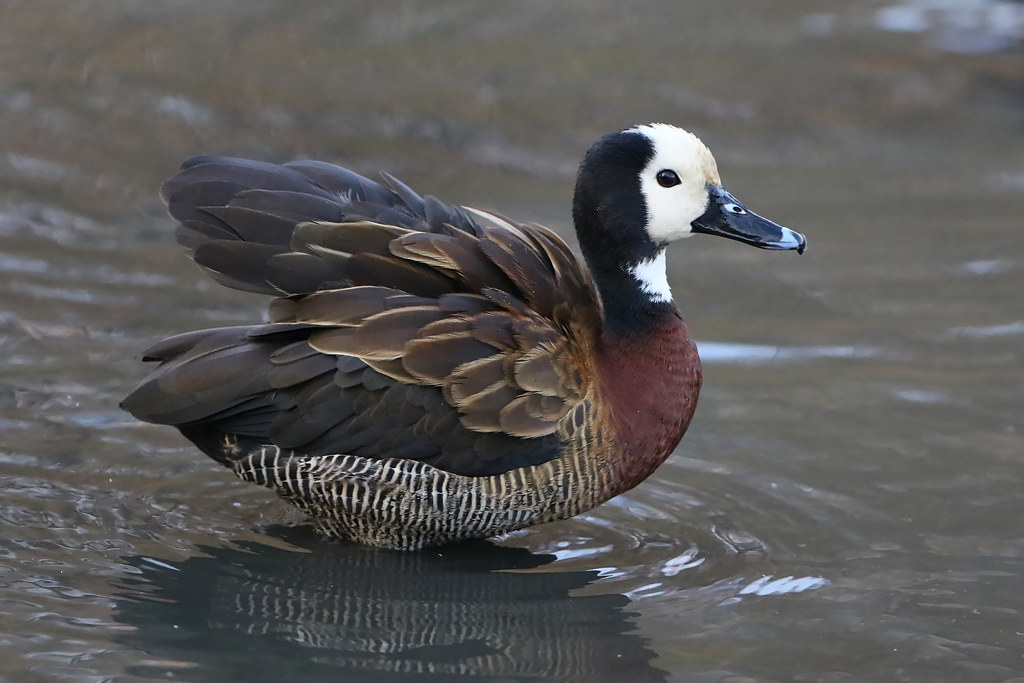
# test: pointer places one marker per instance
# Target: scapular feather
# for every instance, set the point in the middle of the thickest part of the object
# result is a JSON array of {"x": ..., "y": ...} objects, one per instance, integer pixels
[
  {"x": 297, "y": 207},
  {"x": 252, "y": 226}
]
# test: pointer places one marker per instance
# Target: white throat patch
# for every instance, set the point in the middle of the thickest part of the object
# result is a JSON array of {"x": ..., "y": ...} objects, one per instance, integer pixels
[
  {"x": 653, "y": 277},
  {"x": 671, "y": 210}
]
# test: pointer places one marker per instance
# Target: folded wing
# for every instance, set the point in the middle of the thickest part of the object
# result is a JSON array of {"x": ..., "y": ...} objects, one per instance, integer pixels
[{"x": 402, "y": 326}]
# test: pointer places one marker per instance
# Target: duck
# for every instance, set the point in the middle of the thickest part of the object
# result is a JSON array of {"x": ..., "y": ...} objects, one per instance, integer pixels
[{"x": 431, "y": 373}]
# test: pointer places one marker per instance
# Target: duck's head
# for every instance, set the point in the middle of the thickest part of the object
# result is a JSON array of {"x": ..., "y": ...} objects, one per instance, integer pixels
[{"x": 642, "y": 188}]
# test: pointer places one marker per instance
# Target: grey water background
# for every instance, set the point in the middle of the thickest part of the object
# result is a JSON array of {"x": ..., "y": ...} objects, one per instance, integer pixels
[{"x": 848, "y": 503}]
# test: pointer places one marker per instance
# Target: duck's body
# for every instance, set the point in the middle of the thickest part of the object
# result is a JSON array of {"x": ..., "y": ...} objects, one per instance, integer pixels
[{"x": 431, "y": 373}]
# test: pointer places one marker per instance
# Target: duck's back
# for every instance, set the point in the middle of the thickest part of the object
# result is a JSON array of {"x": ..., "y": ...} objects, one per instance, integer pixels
[{"x": 437, "y": 355}]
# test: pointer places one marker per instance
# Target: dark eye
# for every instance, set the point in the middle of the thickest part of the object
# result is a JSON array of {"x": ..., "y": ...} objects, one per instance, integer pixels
[
  {"x": 734, "y": 208},
  {"x": 667, "y": 178}
]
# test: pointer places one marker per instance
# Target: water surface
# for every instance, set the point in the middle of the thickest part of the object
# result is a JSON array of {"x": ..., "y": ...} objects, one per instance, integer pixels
[{"x": 847, "y": 505}]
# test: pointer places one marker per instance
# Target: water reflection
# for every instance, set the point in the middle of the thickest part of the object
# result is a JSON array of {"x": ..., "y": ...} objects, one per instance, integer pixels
[{"x": 312, "y": 609}]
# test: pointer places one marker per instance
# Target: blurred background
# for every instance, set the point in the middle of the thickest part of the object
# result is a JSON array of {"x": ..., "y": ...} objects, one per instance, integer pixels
[{"x": 847, "y": 505}]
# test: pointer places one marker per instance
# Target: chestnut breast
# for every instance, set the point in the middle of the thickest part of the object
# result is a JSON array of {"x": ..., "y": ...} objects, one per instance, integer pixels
[{"x": 651, "y": 383}]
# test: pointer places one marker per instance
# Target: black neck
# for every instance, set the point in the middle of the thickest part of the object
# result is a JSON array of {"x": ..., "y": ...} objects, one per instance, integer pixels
[
  {"x": 612, "y": 250},
  {"x": 610, "y": 214},
  {"x": 629, "y": 310}
]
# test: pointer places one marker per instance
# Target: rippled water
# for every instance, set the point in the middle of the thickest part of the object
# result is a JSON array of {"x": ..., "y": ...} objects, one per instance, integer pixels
[{"x": 847, "y": 505}]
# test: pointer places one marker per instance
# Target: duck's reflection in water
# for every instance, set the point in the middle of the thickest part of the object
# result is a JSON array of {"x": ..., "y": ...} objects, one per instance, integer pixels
[{"x": 348, "y": 613}]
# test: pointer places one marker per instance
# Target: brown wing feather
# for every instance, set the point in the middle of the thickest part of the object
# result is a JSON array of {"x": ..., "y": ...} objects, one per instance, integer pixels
[{"x": 404, "y": 327}]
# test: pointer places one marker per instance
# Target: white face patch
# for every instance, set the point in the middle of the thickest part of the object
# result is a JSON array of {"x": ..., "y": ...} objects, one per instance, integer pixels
[
  {"x": 670, "y": 210},
  {"x": 653, "y": 277}
]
